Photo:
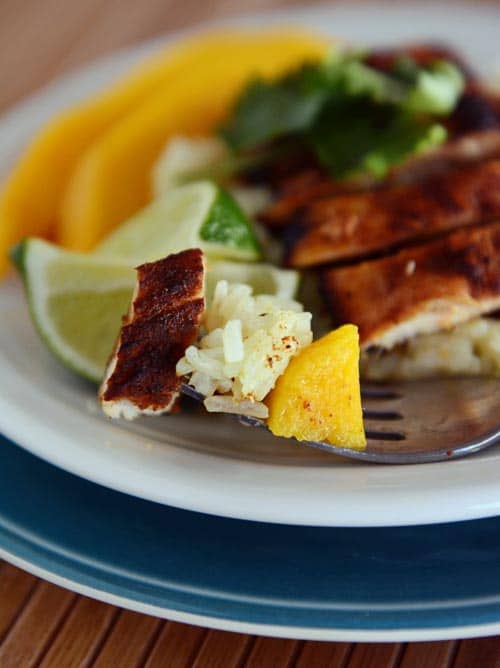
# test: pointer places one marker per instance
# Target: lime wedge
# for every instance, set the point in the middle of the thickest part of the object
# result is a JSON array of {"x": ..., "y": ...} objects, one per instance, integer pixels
[
  {"x": 197, "y": 215},
  {"x": 76, "y": 302},
  {"x": 264, "y": 278},
  {"x": 185, "y": 156},
  {"x": 187, "y": 159}
]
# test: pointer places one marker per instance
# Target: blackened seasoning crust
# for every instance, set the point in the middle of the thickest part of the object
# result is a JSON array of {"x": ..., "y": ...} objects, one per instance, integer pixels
[
  {"x": 163, "y": 320},
  {"x": 423, "y": 289},
  {"x": 295, "y": 191},
  {"x": 332, "y": 229}
]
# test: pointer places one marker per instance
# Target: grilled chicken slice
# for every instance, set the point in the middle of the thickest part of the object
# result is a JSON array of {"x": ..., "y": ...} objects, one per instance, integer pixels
[
  {"x": 363, "y": 224},
  {"x": 423, "y": 289},
  {"x": 474, "y": 131},
  {"x": 163, "y": 320},
  {"x": 465, "y": 148},
  {"x": 295, "y": 191}
]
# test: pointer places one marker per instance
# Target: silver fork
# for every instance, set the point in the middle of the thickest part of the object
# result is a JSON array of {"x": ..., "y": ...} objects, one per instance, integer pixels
[{"x": 419, "y": 421}]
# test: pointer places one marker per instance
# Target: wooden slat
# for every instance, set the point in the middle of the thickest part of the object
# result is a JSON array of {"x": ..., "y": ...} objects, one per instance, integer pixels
[
  {"x": 429, "y": 654},
  {"x": 375, "y": 655},
  {"x": 478, "y": 653},
  {"x": 81, "y": 635},
  {"x": 15, "y": 588},
  {"x": 222, "y": 649},
  {"x": 331, "y": 654},
  {"x": 130, "y": 641},
  {"x": 176, "y": 646},
  {"x": 49, "y": 38},
  {"x": 63, "y": 35},
  {"x": 36, "y": 626},
  {"x": 272, "y": 653}
]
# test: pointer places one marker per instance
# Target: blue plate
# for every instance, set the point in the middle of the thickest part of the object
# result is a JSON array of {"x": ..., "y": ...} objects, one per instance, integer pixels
[{"x": 352, "y": 584}]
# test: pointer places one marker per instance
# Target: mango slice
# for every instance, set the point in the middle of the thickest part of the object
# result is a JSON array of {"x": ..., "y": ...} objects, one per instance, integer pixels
[
  {"x": 113, "y": 178},
  {"x": 318, "y": 397},
  {"x": 30, "y": 200},
  {"x": 31, "y": 197}
]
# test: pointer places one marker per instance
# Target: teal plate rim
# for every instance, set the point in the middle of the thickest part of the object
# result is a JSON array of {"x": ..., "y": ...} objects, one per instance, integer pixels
[{"x": 375, "y": 584}]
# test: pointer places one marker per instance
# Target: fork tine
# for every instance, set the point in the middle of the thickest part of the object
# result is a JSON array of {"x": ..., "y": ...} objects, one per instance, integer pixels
[
  {"x": 370, "y": 414},
  {"x": 373, "y": 434},
  {"x": 382, "y": 442},
  {"x": 379, "y": 393},
  {"x": 191, "y": 392}
]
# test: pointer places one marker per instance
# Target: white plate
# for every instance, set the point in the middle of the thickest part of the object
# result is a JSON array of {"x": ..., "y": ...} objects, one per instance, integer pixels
[{"x": 211, "y": 464}]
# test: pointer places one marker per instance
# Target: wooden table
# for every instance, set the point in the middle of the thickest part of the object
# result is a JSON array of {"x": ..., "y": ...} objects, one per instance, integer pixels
[{"x": 44, "y": 625}]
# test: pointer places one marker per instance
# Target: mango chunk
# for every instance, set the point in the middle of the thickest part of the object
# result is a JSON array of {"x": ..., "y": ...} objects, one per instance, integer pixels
[
  {"x": 31, "y": 196},
  {"x": 113, "y": 177},
  {"x": 30, "y": 200},
  {"x": 318, "y": 397}
]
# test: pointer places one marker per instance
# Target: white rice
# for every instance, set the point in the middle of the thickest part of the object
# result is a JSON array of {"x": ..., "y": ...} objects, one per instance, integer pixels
[
  {"x": 469, "y": 349},
  {"x": 247, "y": 343}
]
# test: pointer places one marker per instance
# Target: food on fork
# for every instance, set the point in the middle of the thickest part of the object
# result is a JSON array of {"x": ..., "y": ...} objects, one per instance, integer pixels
[
  {"x": 163, "y": 320},
  {"x": 233, "y": 353},
  {"x": 318, "y": 397},
  {"x": 247, "y": 343}
]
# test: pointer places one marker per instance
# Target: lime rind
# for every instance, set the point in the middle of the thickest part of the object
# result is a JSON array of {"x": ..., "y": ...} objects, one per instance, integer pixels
[
  {"x": 184, "y": 156},
  {"x": 168, "y": 225},
  {"x": 37, "y": 261},
  {"x": 227, "y": 231},
  {"x": 197, "y": 215}
]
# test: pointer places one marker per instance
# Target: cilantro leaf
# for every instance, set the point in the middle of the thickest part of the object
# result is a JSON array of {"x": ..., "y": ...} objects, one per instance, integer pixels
[
  {"x": 354, "y": 117},
  {"x": 357, "y": 79},
  {"x": 269, "y": 110},
  {"x": 436, "y": 89},
  {"x": 360, "y": 137}
]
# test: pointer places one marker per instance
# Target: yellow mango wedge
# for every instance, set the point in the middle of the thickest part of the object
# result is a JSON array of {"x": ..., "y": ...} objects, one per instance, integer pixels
[
  {"x": 318, "y": 397},
  {"x": 113, "y": 178},
  {"x": 31, "y": 197}
]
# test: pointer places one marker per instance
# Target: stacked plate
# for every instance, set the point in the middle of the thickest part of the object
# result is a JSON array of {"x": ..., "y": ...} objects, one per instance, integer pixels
[{"x": 204, "y": 521}]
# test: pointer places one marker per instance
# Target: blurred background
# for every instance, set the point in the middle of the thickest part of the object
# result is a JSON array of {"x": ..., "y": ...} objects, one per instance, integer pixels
[{"x": 42, "y": 38}]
